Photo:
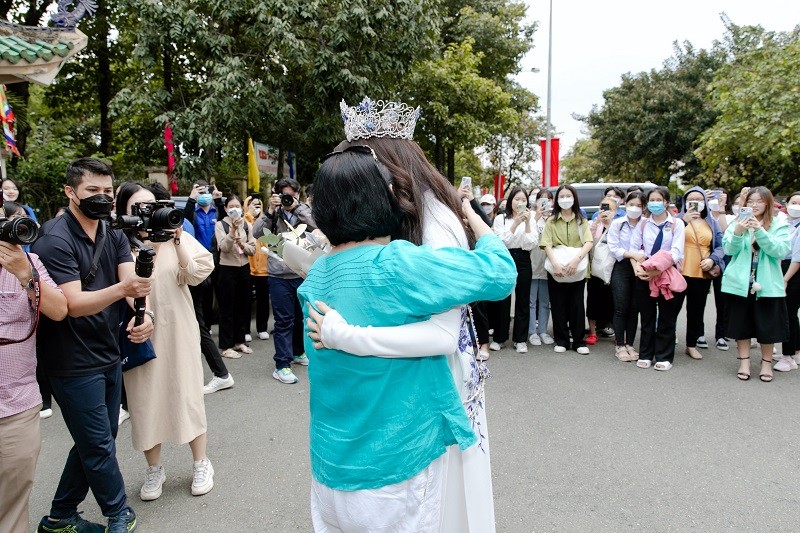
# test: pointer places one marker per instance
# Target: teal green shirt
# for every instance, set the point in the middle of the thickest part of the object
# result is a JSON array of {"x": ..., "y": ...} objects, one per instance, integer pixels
[
  {"x": 378, "y": 421},
  {"x": 773, "y": 246}
]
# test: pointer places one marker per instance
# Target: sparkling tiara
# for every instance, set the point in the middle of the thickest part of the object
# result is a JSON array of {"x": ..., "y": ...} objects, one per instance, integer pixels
[{"x": 371, "y": 119}]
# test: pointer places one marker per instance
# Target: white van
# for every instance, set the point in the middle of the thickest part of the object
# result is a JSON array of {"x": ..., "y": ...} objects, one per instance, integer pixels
[{"x": 590, "y": 194}]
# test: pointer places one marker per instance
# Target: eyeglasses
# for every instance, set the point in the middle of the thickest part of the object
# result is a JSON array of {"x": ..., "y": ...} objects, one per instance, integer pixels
[{"x": 756, "y": 202}]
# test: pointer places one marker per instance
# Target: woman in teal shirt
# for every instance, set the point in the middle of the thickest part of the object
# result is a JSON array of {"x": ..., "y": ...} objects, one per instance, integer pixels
[
  {"x": 753, "y": 280},
  {"x": 384, "y": 423}
]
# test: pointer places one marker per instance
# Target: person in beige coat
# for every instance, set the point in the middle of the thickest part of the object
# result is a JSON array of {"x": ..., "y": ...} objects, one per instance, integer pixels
[
  {"x": 165, "y": 395},
  {"x": 236, "y": 244}
]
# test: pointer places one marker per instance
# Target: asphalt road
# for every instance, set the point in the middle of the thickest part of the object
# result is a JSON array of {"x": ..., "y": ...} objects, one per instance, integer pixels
[{"x": 578, "y": 443}]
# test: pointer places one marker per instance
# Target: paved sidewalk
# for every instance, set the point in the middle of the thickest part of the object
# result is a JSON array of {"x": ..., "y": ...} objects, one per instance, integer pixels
[{"x": 578, "y": 443}]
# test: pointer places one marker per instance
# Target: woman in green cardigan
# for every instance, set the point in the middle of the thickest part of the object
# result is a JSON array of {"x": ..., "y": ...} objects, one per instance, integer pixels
[{"x": 753, "y": 280}]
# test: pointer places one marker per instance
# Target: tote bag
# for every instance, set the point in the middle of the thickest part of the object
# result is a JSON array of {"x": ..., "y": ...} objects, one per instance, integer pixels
[
  {"x": 602, "y": 259},
  {"x": 565, "y": 254}
]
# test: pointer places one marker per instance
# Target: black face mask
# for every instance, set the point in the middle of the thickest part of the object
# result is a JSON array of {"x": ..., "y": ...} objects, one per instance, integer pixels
[{"x": 96, "y": 207}]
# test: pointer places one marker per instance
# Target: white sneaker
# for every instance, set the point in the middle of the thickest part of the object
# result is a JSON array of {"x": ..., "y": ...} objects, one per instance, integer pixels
[
  {"x": 203, "y": 480},
  {"x": 123, "y": 416},
  {"x": 796, "y": 358},
  {"x": 583, "y": 350},
  {"x": 547, "y": 339},
  {"x": 285, "y": 375},
  {"x": 263, "y": 335},
  {"x": 559, "y": 349},
  {"x": 495, "y": 347},
  {"x": 784, "y": 363},
  {"x": 218, "y": 383},
  {"x": 521, "y": 347},
  {"x": 46, "y": 413},
  {"x": 153, "y": 482},
  {"x": 535, "y": 340},
  {"x": 248, "y": 337}
]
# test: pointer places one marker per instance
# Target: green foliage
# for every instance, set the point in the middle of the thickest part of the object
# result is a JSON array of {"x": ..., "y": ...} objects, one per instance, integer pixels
[
  {"x": 653, "y": 118},
  {"x": 515, "y": 150},
  {"x": 581, "y": 163},
  {"x": 756, "y": 137}
]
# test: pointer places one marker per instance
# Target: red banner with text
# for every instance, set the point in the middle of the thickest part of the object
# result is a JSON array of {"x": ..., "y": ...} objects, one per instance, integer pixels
[{"x": 553, "y": 163}]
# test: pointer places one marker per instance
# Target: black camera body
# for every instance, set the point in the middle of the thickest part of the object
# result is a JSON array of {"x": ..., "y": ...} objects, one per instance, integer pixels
[
  {"x": 22, "y": 230},
  {"x": 159, "y": 219},
  {"x": 287, "y": 200}
]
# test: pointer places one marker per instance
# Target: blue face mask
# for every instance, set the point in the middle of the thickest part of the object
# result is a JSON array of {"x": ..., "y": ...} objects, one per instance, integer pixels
[
  {"x": 204, "y": 200},
  {"x": 656, "y": 208}
]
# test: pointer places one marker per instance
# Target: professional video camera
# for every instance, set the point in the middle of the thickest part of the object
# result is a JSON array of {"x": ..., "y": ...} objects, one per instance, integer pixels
[
  {"x": 158, "y": 219},
  {"x": 21, "y": 230}
]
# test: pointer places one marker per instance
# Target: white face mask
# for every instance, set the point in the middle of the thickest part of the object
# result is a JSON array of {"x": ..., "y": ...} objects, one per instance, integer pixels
[
  {"x": 234, "y": 212},
  {"x": 487, "y": 208},
  {"x": 633, "y": 211},
  {"x": 793, "y": 210},
  {"x": 256, "y": 211},
  {"x": 700, "y": 205},
  {"x": 735, "y": 209},
  {"x": 713, "y": 205},
  {"x": 566, "y": 203}
]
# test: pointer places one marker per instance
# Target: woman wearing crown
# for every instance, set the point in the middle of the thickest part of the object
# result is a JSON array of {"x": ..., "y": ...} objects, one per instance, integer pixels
[{"x": 431, "y": 216}]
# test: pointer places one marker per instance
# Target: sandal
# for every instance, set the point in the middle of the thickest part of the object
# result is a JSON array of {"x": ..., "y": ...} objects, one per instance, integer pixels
[
  {"x": 693, "y": 353},
  {"x": 663, "y": 365},
  {"x": 766, "y": 378},
  {"x": 633, "y": 353},
  {"x": 744, "y": 376},
  {"x": 622, "y": 354},
  {"x": 243, "y": 348},
  {"x": 644, "y": 363},
  {"x": 230, "y": 353}
]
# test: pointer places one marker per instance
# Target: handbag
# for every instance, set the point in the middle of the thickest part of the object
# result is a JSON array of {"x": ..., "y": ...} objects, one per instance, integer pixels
[
  {"x": 133, "y": 354},
  {"x": 603, "y": 260},
  {"x": 716, "y": 270},
  {"x": 565, "y": 254}
]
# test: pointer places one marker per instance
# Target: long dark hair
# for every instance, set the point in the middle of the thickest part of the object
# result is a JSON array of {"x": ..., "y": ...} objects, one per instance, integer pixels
[
  {"x": 124, "y": 193},
  {"x": 509, "y": 210},
  {"x": 412, "y": 175},
  {"x": 576, "y": 205}
]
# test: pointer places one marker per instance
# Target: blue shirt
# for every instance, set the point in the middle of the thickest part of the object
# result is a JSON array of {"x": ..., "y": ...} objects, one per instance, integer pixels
[
  {"x": 204, "y": 224},
  {"x": 378, "y": 421},
  {"x": 188, "y": 227}
]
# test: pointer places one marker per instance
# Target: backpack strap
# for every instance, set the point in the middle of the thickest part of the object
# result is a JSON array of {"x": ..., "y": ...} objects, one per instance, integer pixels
[{"x": 98, "y": 249}]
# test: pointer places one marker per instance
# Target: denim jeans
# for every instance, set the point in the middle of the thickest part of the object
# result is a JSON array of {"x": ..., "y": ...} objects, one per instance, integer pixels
[
  {"x": 90, "y": 407},
  {"x": 540, "y": 306},
  {"x": 288, "y": 337}
]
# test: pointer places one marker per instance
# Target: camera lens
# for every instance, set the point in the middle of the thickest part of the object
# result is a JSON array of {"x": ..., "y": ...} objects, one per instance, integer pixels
[
  {"x": 287, "y": 200},
  {"x": 18, "y": 231},
  {"x": 166, "y": 218}
]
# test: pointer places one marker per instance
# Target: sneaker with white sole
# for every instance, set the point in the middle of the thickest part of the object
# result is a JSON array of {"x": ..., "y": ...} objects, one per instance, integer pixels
[
  {"x": 483, "y": 356},
  {"x": 583, "y": 350},
  {"x": 153, "y": 482},
  {"x": 547, "y": 339},
  {"x": 248, "y": 337},
  {"x": 722, "y": 344},
  {"x": 784, "y": 363},
  {"x": 46, "y": 413},
  {"x": 301, "y": 359},
  {"x": 521, "y": 347},
  {"x": 495, "y": 347},
  {"x": 203, "y": 479},
  {"x": 535, "y": 340},
  {"x": 702, "y": 342},
  {"x": 263, "y": 335},
  {"x": 559, "y": 349},
  {"x": 607, "y": 332},
  {"x": 284, "y": 375},
  {"x": 796, "y": 359},
  {"x": 123, "y": 416},
  {"x": 218, "y": 383}
]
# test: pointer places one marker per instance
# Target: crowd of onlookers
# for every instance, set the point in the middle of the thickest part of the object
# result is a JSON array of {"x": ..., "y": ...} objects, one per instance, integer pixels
[{"x": 630, "y": 267}]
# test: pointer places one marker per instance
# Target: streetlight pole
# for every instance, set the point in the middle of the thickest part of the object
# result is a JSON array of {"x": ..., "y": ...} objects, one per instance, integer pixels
[{"x": 548, "y": 134}]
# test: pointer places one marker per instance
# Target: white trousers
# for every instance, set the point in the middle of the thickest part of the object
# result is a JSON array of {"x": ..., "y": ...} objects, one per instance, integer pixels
[{"x": 411, "y": 506}]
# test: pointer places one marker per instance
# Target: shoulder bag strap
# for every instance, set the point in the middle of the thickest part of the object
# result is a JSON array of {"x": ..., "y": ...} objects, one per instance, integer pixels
[{"x": 98, "y": 249}]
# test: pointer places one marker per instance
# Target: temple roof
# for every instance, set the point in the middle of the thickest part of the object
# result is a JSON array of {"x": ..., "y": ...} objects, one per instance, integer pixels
[{"x": 36, "y": 54}]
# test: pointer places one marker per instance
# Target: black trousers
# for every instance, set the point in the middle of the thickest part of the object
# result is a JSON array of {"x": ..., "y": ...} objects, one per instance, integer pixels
[
  {"x": 522, "y": 293},
  {"x": 658, "y": 340},
  {"x": 500, "y": 318},
  {"x": 207, "y": 345},
  {"x": 696, "y": 294},
  {"x": 481, "y": 321},
  {"x": 233, "y": 293},
  {"x": 261, "y": 286},
  {"x": 568, "y": 312},
  {"x": 208, "y": 289},
  {"x": 721, "y": 303},
  {"x": 792, "y": 342},
  {"x": 626, "y": 310}
]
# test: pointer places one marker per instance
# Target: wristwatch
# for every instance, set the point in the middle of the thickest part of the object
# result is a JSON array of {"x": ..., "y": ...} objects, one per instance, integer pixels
[
  {"x": 152, "y": 315},
  {"x": 29, "y": 286}
]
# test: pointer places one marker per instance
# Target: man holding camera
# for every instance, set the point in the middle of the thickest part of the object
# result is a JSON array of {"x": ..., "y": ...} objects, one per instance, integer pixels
[
  {"x": 20, "y": 293},
  {"x": 285, "y": 208},
  {"x": 80, "y": 355}
]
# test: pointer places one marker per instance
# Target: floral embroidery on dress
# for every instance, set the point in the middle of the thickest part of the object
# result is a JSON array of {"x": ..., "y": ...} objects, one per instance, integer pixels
[{"x": 479, "y": 373}]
